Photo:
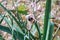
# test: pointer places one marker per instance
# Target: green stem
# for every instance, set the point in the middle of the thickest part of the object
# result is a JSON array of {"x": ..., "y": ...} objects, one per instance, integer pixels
[{"x": 47, "y": 19}]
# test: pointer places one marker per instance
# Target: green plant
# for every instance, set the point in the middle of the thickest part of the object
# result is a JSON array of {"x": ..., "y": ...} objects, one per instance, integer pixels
[
  {"x": 47, "y": 24},
  {"x": 1, "y": 38},
  {"x": 17, "y": 27}
]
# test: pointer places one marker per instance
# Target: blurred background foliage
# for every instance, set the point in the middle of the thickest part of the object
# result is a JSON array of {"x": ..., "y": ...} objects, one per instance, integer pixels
[{"x": 29, "y": 19}]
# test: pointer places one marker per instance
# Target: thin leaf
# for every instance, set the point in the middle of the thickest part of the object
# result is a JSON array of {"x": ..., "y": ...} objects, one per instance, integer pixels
[
  {"x": 47, "y": 20},
  {"x": 9, "y": 12},
  {"x": 6, "y": 29},
  {"x": 37, "y": 26},
  {"x": 2, "y": 19},
  {"x": 51, "y": 31}
]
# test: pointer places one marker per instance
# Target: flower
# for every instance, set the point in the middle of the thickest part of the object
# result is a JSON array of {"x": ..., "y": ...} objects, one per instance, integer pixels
[{"x": 30, "y": 18}]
